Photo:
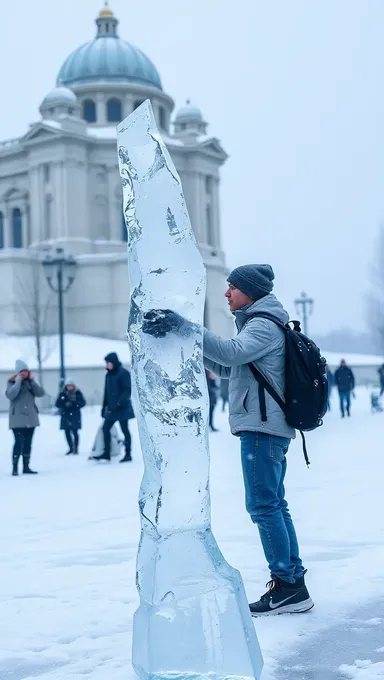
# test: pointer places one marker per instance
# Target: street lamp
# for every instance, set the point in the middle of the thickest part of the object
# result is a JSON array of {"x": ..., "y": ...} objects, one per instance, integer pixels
[
  {"x": 60, "y": 272},
  {"x": 304, "y": 307}
]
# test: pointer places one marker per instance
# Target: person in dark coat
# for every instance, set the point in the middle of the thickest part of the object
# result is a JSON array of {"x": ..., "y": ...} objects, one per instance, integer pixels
[
  {"x": 70, "y": 402},
  {"x": 117, "y": 406},
  {"x": 212, "y": 392},
  {"x": 381, "y": 377},
  {"x": 22, "y": 390},
  {"x": 224, "y": 392},
  {"x": 345, "y": 383}
]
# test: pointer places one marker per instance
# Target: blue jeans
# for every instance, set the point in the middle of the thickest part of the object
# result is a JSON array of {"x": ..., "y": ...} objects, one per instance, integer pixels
[
  {"x": 345, "y": 402},
  {"x": 263, "y": 458}
]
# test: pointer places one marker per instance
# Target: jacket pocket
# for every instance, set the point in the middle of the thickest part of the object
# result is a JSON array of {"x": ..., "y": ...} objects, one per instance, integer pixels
[
  {"x": 278, "y": 449},
  {"x": 245, "y": 401},
  {"x": 238, "y": 401}
]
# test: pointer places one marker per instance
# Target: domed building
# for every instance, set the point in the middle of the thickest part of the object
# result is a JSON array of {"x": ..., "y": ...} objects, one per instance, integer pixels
[{"x": 60, "y": 187}]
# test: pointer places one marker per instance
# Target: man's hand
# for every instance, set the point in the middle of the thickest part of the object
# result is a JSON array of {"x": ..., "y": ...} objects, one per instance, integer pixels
[{"x": 159, "y": 322}]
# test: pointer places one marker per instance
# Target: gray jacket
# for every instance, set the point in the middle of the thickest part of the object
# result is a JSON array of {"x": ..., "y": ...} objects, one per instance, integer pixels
[
  {"x": 259, "y": 341},
  {"x": 23, "y": 411}
]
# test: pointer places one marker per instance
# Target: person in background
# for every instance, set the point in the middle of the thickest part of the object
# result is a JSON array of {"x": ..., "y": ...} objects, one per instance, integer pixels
[
  {"x": 376, "y": 406},
  {"x": 330, "y": 378},
  {"x": 212, "y": 392},
  {"x": 345, "y": 382},
  {"x": 381, "y": 377},
  {"x": 22, "y": 390},
  {"x": 117, "y": 406},
  {"x": 70, "y": 402},
  {"x": 224, "y": 392}
]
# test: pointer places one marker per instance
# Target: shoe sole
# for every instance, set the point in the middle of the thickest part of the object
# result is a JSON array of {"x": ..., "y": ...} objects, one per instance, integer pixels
[{"x": 300, "y": 608}]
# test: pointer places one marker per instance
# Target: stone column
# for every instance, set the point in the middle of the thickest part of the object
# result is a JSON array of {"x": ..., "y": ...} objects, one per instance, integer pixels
[
  {"x": 127, "y": 105},
  {"x": 113, "y": 179},
  {"x": 6, "y": 226},
  {"x": 101, "y": 114},
  {"x": 216, "y": 211},
  {"x": 198, "y": 217},
  {"x": 35, "y": 205},
  {"x": 26, "y": 222},
  {"x": 59, "y": 199}
]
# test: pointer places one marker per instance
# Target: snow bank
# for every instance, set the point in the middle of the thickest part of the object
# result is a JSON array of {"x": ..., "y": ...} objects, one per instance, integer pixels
[{"x": 81, "y": 351}]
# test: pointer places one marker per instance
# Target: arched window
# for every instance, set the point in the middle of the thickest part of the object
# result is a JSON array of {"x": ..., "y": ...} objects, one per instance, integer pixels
[
  {"x": 162, "y": 118},
  {"x": 124, "y": 231},
  {"x": 114, "y": 112},
  {"x": 17, "y": 228},
  {"x": 1, "y": 230},
  {"x": 138, "y": 103},
  {"x": 89, "y": 110}
]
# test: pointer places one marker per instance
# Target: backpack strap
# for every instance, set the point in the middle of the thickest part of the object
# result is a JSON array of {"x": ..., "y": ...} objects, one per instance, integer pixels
[
  {"x": 265, "y": 385},
  {"x": 285, "y": 327}
]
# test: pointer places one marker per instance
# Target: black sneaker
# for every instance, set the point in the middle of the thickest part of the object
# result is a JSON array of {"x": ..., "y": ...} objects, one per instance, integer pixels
[{"x": 283, "y": 598}]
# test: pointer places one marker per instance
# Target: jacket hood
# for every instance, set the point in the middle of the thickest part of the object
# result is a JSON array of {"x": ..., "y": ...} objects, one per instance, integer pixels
[
  {"x": 269, "y": 304},
  {"x": 113, "y": 359}
]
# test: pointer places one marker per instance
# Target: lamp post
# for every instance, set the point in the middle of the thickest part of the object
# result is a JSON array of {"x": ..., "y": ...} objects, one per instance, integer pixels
[
  {"x": 60, "y": 272},
  {"x": 304, "y": 307}
]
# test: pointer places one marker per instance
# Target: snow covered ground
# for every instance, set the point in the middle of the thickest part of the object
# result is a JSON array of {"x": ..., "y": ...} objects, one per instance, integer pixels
[{"x": 69, "y": 539}]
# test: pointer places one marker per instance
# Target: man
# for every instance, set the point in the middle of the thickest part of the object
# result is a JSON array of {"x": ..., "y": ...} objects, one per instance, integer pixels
[
  {"x": 381, "y": 377},
  {"x": 345, "y": 382},
  {"x": 264, "y": 445},
  {"x": 117, "y": 406}
]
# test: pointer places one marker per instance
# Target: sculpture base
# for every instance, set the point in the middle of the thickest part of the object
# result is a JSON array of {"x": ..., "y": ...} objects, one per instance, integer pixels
[
  {"x": 199, "y": 623},
  {"x": 197, "y": 676}
]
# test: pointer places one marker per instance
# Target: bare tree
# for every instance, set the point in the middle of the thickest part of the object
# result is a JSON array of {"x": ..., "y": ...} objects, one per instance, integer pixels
[
  {"x": 376, "y": 297},
  {"x": 35, "y": 307}
]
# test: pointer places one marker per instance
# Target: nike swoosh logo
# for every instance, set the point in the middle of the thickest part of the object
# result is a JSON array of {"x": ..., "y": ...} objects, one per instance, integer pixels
[{"x": 274, "y": 606}]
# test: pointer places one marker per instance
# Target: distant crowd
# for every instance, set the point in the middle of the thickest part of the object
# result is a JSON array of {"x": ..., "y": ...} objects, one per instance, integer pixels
[{"x": 22, "y": 391}]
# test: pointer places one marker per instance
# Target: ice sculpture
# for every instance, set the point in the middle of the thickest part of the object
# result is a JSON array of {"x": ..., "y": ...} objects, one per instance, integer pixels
[{"x": 193, "y": 620}]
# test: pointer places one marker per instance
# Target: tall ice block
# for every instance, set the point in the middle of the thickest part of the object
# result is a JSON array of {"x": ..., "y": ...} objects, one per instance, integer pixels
[{"x": 193, "y": 620}]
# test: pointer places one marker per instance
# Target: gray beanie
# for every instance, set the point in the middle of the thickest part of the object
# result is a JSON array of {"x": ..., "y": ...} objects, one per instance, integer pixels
[
  {"x": 255, "y": 280},
  {"x": 69, "y": 381},
  {"x": 20, "y": 365}
]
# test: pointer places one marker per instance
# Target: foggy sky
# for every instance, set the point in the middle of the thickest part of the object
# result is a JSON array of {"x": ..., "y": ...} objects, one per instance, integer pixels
[{"x": 294, "y": 90}]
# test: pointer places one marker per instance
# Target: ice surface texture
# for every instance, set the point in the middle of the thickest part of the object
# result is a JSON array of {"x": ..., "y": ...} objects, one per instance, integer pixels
[{"x": 193, "y": 620}]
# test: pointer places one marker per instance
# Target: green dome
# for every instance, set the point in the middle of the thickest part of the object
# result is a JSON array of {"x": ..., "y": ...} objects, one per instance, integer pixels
[{"x": 108, "y": 57}]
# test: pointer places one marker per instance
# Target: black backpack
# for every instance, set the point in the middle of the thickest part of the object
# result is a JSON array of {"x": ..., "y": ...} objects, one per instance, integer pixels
[{"x": 306, "y": 384}]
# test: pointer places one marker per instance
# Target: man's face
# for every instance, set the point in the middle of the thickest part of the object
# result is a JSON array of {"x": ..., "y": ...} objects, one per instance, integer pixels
[
  {"x": 109, "y": 366},
  {"x": 236, "y": 299},
  {"x": 342, "y": 364},
  {"x": 70, "y": 388}
]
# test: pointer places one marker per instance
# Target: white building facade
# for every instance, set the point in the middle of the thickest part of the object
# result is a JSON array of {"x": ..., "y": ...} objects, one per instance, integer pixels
[{"x": 60, "y": 187}]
